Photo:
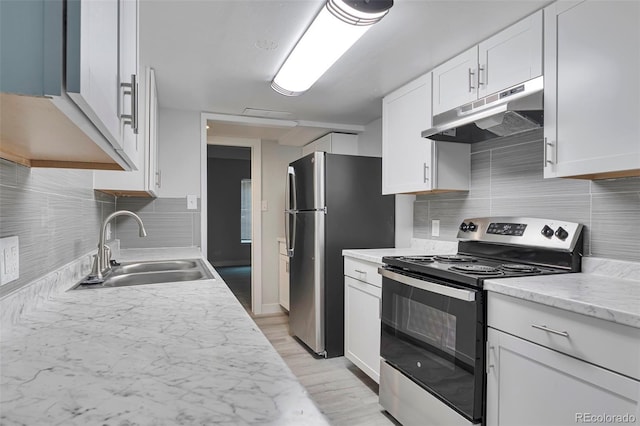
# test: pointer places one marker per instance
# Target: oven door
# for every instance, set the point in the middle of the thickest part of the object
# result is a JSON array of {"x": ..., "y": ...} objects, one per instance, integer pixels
[{"x": 433, "y": 332}]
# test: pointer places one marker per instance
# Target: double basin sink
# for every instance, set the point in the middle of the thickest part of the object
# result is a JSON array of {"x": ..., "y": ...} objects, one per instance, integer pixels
[{"x": 152, "y": 272}]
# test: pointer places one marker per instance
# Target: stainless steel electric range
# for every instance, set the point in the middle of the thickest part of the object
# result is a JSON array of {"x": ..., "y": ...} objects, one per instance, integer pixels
[{"x": 433, "y": 313}]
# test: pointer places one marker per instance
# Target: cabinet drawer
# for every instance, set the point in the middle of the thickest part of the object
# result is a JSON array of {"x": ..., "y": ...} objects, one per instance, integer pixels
[
  {"x": 363, "y": 271},
  {"x": 604, "y": 343}
]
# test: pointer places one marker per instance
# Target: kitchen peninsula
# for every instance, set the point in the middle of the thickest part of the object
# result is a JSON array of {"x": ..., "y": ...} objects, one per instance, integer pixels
[{"x": 177, "y": 353}]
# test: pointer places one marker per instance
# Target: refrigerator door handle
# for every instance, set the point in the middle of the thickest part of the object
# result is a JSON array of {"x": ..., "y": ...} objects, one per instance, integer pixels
[
  {"x": 293, "y": 189},
  {"x": 288, "y": 190},
  {"x": 289, "y": 241}
]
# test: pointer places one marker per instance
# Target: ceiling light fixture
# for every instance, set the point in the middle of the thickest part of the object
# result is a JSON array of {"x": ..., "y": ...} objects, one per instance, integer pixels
[{"x": 338, "y": 25}]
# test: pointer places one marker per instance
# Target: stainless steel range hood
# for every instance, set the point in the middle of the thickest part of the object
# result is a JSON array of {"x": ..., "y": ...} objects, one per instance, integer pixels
[{"x": 514, "y": 110}]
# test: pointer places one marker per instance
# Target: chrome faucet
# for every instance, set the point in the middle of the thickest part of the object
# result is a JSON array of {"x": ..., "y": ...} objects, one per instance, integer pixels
[{"x": 102, "y": 261}]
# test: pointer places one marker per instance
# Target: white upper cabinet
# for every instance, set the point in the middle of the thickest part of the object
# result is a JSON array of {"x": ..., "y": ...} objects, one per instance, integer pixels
[
  {"x": 333, "y": 143},
  {"x": 129, "y": 102},
  {"x": 592, "y": 89},
  {"x": 410, "y": 163},
  {"x": 512, "y": 56},
  {"x": 61, "y": 95},
  {"x": 144, "y": 182},
  {"x": 455, "y": 82},
  {"x": 101, "y": 59}
]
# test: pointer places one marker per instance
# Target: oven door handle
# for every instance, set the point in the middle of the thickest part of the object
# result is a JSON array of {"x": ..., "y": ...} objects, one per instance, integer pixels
[{"x": 456, "y": 293}]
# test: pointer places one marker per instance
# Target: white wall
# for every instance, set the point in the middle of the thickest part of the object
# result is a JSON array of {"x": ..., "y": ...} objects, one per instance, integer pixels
[
  {"x": 179, "y": 152},
  {"x": 370, "y": 141},
  {"x": 275, "y": 159}
]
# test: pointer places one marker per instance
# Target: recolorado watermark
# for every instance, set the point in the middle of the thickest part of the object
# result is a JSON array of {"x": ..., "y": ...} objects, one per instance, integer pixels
[{"x": 605, "y": 418}]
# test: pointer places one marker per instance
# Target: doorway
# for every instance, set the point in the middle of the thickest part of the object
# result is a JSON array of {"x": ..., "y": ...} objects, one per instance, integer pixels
[{"x": 229, "y": 207}]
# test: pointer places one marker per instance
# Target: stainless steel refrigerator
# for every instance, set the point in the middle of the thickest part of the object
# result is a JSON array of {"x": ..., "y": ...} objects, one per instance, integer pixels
[{"x": 333, "y": 202}]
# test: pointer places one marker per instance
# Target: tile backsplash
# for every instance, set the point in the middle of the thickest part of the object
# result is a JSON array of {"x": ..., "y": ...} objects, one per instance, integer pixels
[
  {"x": 54, "y": 212},
  {"x": 167, "y": 221},
  {"x": 507, "y": 180}
]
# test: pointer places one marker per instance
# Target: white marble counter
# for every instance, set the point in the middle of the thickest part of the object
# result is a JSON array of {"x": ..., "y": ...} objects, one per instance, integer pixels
[
  {"x": 605, "y": 297},
  {"x": 176, "y": 354},
  {"x": 419, "y": 247}
]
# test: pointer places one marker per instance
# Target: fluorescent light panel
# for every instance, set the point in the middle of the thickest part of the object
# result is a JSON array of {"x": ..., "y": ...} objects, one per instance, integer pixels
[{"x": 324, "y": 42}]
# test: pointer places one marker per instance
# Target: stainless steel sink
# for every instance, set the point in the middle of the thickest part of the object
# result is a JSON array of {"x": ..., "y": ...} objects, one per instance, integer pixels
[
  {"x": 167, "y": 265},
  {"x": 155, "y": 272}
]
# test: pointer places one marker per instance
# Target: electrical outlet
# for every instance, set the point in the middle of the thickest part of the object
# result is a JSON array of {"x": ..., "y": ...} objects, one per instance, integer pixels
[
  {"x": 435, "y": 228},
  {"x": 9, "y": 260},
  {"x": 192, "y": 202},
  {"x": 107, "y": 234}
]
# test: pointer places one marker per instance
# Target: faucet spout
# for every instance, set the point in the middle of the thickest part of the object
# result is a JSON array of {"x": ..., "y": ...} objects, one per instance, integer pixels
[{"x": 102, "y": 263}]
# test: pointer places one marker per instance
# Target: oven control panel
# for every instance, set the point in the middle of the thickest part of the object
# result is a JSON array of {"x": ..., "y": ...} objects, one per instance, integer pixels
[
  {"x": 516, "y": 229},
  {"x": 522, "y": 231}
]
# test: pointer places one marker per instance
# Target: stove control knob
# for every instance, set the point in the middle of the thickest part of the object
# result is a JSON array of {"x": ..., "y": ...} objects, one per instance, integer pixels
[
  {"x": 562, "y": 233},
  {"x": 547, "y": 231},
  {"x": 472, "y": 227},
  {"x": 464, "y": 227}
]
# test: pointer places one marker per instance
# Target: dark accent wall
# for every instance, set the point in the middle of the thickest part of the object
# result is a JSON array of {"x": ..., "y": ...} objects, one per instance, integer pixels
[{"x": 224, "y": 246}]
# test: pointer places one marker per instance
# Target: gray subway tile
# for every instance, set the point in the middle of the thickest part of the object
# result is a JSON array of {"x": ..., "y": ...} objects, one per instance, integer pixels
[
  {"x": 197, "y": 230},
  {"x": 136, "y": 205},
  {"x": 171, "y": 205},
  {"x": 163, "y": 230},
  {"x": 517, "y": 171},
  {"x": 421, "y": 219},
  {"x": 8, "y": 173},
  {"x": 451, "y": 213},
  {"x": 611, "y": 236},
  {"x": 631, "y": 184}
]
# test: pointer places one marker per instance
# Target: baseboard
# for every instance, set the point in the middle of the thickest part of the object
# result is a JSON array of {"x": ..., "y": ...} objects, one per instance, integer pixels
[{"x": 271, "y": 308}]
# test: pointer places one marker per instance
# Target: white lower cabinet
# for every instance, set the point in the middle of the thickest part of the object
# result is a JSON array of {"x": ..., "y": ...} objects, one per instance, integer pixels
[
  {"x": 362, "y": 300},
  {"x": 283, "y": 275},
  {"x": 532, "y": 384}
]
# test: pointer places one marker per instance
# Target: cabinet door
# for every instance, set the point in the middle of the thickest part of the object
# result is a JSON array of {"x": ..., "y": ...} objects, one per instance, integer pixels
[
  {"x": 511, "y": 56},
  {"x": 362, "y": 326},
  {"x": 455, "y": 82},
  {"x": 128, "y": 55},
  {"x": 152, "y": 172},
  {"x": 92, "y": 63},
  {"x": 406, "y": 156},
  {"x": 591, "y": 68},
  {"x": 528, "y": 384},
  {"x": 283, "y": 281}
]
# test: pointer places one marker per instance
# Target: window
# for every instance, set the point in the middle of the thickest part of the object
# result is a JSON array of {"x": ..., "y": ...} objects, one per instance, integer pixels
[{"x": 245, "y": 211}]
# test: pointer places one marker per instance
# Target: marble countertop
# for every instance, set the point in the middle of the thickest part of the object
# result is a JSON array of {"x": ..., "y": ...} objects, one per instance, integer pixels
[
  {"x": 605, "y": 297},
  {"x": 176, "y": 353},
  {"x": 418, "y": 247}
]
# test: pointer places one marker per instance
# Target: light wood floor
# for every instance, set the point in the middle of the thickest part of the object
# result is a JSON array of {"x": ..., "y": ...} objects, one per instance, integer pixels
[{"x": 343, "y": 393}]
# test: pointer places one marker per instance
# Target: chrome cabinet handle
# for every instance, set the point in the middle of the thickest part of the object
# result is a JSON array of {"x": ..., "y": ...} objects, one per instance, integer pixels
[
  {"x": 480, "y": 83},
  {"x": 131, "y": 119},
  {"x": 471, "y": 74},
  {"x": 158, "y": 178},
  {"x": 550, "y": 330},
  {"x": 546, "y": 152},
  {"x": 490, "y": 364},
  {"x": 425, "y": 169}
]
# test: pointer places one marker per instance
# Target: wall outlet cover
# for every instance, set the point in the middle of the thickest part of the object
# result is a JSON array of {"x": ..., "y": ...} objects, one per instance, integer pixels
[
  {"x": 192, "y": 202},
  {"x": 435, "y": 228},
  {"x": 9, "y": 260}
]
